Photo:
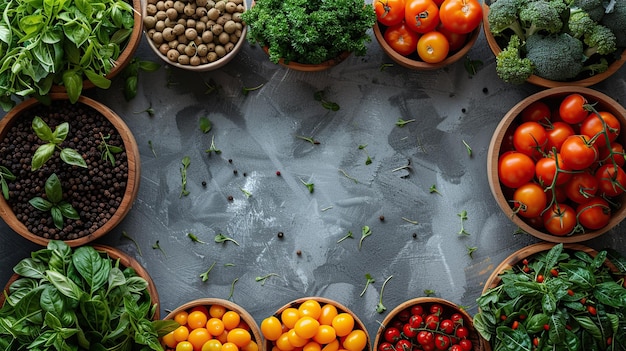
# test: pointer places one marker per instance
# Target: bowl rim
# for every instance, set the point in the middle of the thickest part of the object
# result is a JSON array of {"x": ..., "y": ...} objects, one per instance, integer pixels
[{"x": 493, "y": 153}]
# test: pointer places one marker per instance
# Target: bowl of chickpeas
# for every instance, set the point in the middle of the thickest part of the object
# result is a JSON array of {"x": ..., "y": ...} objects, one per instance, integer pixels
[
  {"x": 212, "y": 324},
  {"x": 195, "y": 35}
]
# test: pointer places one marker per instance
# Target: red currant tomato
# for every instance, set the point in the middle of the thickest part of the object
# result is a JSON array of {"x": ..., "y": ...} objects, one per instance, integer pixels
[
  {"x": 551, "y": 167},
  {"x": 594, "y": 214},
  {"x": 421, "y": 16},
  {"x": 385, "y": 346},
  {"x": 537, "y": 111},
  {"x": 389, "y": 12},
  {"x": 615, "y": 153},
  {"x": 559, "y": 219},
  {"x": 403, "y": 345},
  {"x": 436, "y": 309},
  {"x": 433, "y": 47},
  {"x": 611, "y": 180},
  {"x": 447, "y": 326},
  {"x": 425, "y": 337},
  {"x": 442, "y": 342},
  {"x": 557, "y": 133},
  {"x": 578, "y": 152},
  {"x": 595, "y": 124},
  {"x": 461, "y": 332},
  {"x": 417, "y": 310},
  {"x": 581, "y": 187},
  {"x": 392, "y": 335},
  {"x": 455, "y": 40},
  {"x": 415, "y": 321},
  {"x": 529, "y": 200},
  {"x": 461, "y": 16},
  {"x": 572, "y": 110},
  {"x": 401, "y": 39},
  {"x": 515, "y": 169},
  {"x": 466, "y": 344},
  {"x": 432, "y": 321}
]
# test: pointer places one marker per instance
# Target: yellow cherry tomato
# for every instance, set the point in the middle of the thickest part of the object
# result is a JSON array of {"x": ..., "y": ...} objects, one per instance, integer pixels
[
  {"x": 343, "y": 324},
  {"x": 196, "y": 319},
  {"x": 252, "y": 346},
  {"x": 312, "y": 346},
  {"x": 170, "y": 340},
  {"x": 223, "y": 338},
  {"x": 283, "y": 344},
  {"x": 325, "y": 334},
  {"x": 295, "y": 340},
  {"x": 181, "y": 317},
  {"x": 433, "y": 47},
  {"x": 355, "y": 341},
  {"x": 239, "y": 337},
  {"x": 201, "y": 308},
  {"x": 306, "y": 327},
  {"x": 197, "y": 337},
  {"x": 215, "y": 326},
  {"x": 328, "y": 312},
  {"x": 231, "y": 319},
  {"x": 310, "y": 308},
  {"x": 271, "y": 328},
  {"x": 229, "y": 346},
  {"x": 217, "y": 311},
  {"x": 184, "y": 346},
  {"x": 333, "y": 346},
  {"x": 289, "y": 317},
  {"x": 181, "y": 333},
  {"x": 212, "y": 345}
]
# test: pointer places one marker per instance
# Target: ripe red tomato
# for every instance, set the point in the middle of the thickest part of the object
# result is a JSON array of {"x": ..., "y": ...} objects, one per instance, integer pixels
[
  {"x": 581, "y": 187},
  {"x": 436, "y": 309},
  {"x": 611, "y": 180},
  {"x": 447, "y": 326},
  {"x": 617, "y": 151},
  {"x": 385, "y": 346},
  {"x": 442, "y": 342},
  {"x": 529, "y": 200},
  {"x": 401, "y": 39},
  {"x": 461, "y": 332},
  {"x": 455, "y": 40},
  {"x": 557, "y": 133},
  {"x": 461, "y": 16},
  {"x": 559, "y": 219},
  {"x": 531, "y": 139},
  {"x": 409, "y": 331},
  {"x": 425, "y": 337},
  {"x": 433, "y": 47},
  {"x": 392, "y": 335},
  {"x": 550, "y": 167},
  {"x": 389, "y": 12},
  {"x": 572, "y": 110},
  {"x": 515, "y": 169},
  {"x": 578, "y": 152},
  {"x": 417, "y": 310},
  {"x": 403, "y": 345},
  {"x": 594, "y": 214},
  {"x": 593, "y": 125},
  {"x": 537, "y": 111},
  {"x": 466, "y": 344},
  {"x": 431, "y": 321},
  {"x": 421, "y": 16}
]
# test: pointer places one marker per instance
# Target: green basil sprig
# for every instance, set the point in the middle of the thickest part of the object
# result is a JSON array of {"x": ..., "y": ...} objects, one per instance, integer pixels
[{"x": 54, "y": 139}]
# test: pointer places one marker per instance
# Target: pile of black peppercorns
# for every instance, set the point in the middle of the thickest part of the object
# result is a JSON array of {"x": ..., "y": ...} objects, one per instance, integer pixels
[{"x": 95, "y": 192}]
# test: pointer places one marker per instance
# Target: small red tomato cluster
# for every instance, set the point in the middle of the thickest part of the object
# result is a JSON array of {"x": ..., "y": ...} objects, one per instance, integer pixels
[
  {"x": 432, "y": 28},
  {"x": 426, "y": 327},
  {"x": 562, "y": 165}
]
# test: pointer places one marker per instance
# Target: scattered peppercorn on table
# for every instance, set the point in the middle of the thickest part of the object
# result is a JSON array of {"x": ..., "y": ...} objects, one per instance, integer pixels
[{"x": 262, "y": 185}]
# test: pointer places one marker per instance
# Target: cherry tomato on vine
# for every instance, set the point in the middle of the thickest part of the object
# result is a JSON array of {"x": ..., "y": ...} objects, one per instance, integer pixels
[
  {"x": 578, "y": 152},
  {"x": 417, "y": 310},
  {"x": 551, "y": 167},
  {"x": 466, "y": 344},
  {"x": 537, "y": 111},
  {"x": 594, "y": 214},
  {"x": 559, "y": 219},
  {"x": 432, "y": 321},
  {"x": 531, "y": 139},
  {"x": 401, "y": 39},
  {"x": 409, "y": 331},
  {"x": 581, "y": 187},
  {"x": 557, "y": 133},
  {"x": 515, "y": 169},
  {"x": 404, "y": 345},
  {"x": 456, "y": 347},
  {"x": 392, "y": 335},
  {"x": 425, "y": 337},
  {"x": 593, "y": 125},
  {"x": 572, "y": 110},
  {"x": 442, "y": 342},
  {"x": 421, "y": 16},
  {"x": 415, "y": 321},
  {"x": 436, "y": 309},
  {"x": 461, "y": 332},
  {"x": 433, "y": 47},
  {"x": 389, "y": 12},
  {"x": 461, "y": 16},
  {"x": 457, "y": 318},
  {"x": 447, "y": 326},
  {"x": 611, "y": 180},
  {"x": 385, "y": 346},
  {"x": 529, "y": 200},
  {"x": 615, "y": 153},
  {"x": 403, "y": 315}
]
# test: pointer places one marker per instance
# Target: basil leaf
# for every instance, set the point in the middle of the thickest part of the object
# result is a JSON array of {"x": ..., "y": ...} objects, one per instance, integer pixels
[
  {"x": 30, "y": 268},
  {"x": 53, "y": 302},
  {"x": 68, "y": 211},
  {"x": 97, "y": 80},
  {"x": 73, "y": 83},
  {"x": 53, "y": 189},
  {"x": 97, "y": 313},
  {"x": 41, "y": 155},
  {"x": 57, "y": 217},
  {"x": 149, "y": 66},
  {"x": 535, "y": 323},
  {"x": 136, "y": 284},
  {"x": 72, "y": 157},
  {"x": 611, "y": 294},
  {"x": 65, "y": 286},
  {"x": 91, "y": 266},
  {"x": 41, "y": 128},
  {"x": 513, "y": 340},
  {"x": 60, "y": 133},
  {"x": 40, "y": 203},
  {"x": 590, "y": 326}
]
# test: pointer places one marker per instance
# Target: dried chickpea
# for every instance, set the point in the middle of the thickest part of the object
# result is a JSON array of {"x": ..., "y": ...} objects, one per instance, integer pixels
[
  {"x": 202, "y": 50},
  {"x": 220, "y": 5},
  {"x": 212, "y": 57},
  {"x": 164, "y": 48},
  {"x": 183, "y": 59},
  {"x": 213, "y": 14},
  {"x": 201, "y": 11},
  {"x": 182, "y": 39},
  {"x": 160, "y": 5},
  {"x": 217, "y": 29},
  {"x": 179, "y": 29},
  {"x": 220, "y": 51},
  {"x": 179, "y": 6},
  {"x": 149, "y": 22},
  {"x": 229, "y": 47},
  {"x": 168, "y": 4},
  {"x": 190, "y": 50},
  {"x": 190, "y": 33},
  {"x": 194, "y": 61},
  {"x": 160, "y": 15},
  {"x": 171, "y": 13},
  {"x": 181, "y": 48},
  {"x": 168, "y": 34},
  {"x": 201, "y": 3},
  {"x": 157, "y": 38},
  {"x": 173, "y": 55},
  {"x": 200, "y": 27},
  {"x": 190, "y": 9},
  {"x": 230, "y": 7},
  {"x": 173, "y": 44},
  {"x": 230, "y": 27},
  {"x": 223, "y": 38},
  {"x": 151, "y": 9}
]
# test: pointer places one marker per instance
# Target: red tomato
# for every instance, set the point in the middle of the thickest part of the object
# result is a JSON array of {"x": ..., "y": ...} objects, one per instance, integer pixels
[
  {"x": 461, "y": 16},
  {"x": 466, "y": 344},
  {"x": 455, "y": 40},
  {"x": 615, "y": 153},
  {"x": 593, "y": 125},
  {"x": 392, "y": 335},
  {"x": 436, "y": 309},
  {"x": 557, "y": 133},
  {"x": 425, "y": 337},
  {"x": 433, "y": 47},
  {"x": 611, "y": 180},
  {"x": 572, "y": 110},
  {"x": 550, "y": 167},
  {"x": 559, "y": 219},
  {"x": 581, "y": 187},
  {"x": 442, "y": 342},
  {"x": 529, "y": 200},
  {"x": 401, "y": 39},
  {"x": 389, "y": 12},
  {"x": 403, "y": 345},
  {"x": 578, "y": 152},
  {"x": 462, "y": 332},
  {"x": 537, "y": 111},
  {"x": 447, "y": 326},
  {"x": 421, "y": 16},
  {"x": 594, "y": 214},
  {"x": 432, "y": 321},
  {"x": 385, "y": 346},
  {"x": 531, "y": 139},
  {"x": 515, "y": 169}
]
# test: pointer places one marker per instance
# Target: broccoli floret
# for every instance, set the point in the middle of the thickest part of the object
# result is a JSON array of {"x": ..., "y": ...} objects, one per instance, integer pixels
[
  {"x": 599, "y": 40},
  {"x": 503, "y": 15},
  {"x": 543, "y": 16},
  {"x": 597, "y": 67},
  {"x": 556, "y": 57},
  {"x": 594, "y": 8},
  {"x": 615, "y": 20},
  {"x": 580, "y": 23},
  {"x": 510, "y": 66}
]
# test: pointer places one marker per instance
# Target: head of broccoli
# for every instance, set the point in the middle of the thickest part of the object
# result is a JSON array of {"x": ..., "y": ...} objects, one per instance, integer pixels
[
  {"x": 510, "y": 66},
  {"x": 615, "y": 20},
  {"x": 594, "y": 8},
  {"x": 503, "y": 15},
  {"x": 600, "y": 40},
  {"x": 579, "y": 23},
  {"x": 556, "y": 57},
  {"x": 543, "y": 16}
]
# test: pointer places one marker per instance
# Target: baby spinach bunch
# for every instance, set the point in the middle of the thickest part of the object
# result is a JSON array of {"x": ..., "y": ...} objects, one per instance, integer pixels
[
  {"x": 310, "y": 31},
  {"x": 556, "y": 300},
  {"x": 78, "y": 299},
  {"x": 59, "y": 42}
]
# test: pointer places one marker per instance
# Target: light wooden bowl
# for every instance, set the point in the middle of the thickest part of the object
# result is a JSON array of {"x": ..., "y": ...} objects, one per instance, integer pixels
[
  {"x": 426, "y": 302},
  {"x": 207, "y": 302},
  {"x": 211, "y": 66},
  {"x": 510, "y": 119},
  {"x": 546, "y": 83},
  {"x": 132, "y": 183},
  {"x": 303, "y": 67},
  {"x": 269, "y": 345}
]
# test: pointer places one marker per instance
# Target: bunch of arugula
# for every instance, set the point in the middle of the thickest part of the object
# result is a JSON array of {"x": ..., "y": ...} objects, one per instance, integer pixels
[
  {"x": 558, "y": 300},
  {"x": 59, "y": 42},
  {"x": 310, "y": 31},
  {"x": 78, "y": 299}
]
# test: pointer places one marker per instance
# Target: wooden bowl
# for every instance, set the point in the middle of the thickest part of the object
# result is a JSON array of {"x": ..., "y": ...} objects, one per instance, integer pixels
[
  {"x": 546, "y": 83},
  {"x": 510, "y": 119},
  {"x": 269, "y": 345},
  {"x": 220, "y": 62},
  {"x": 449, "y": 308},
  {"x": 132, "y": 183},
  {"x": 303, "y": 67},
  {"x": 245, "y": 316}
]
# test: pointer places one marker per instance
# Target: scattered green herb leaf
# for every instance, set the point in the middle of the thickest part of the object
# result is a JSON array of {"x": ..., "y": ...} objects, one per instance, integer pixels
[
  {"x": 368, "y": 280},
  {"x": 54, "y": 203},
  {"x": 152, "y": 148},
  {"x": 329, "y": 105},
  {"x": 309, "y": 139},
  {"x": 433, "y": 189},
  {"x": 471, "y": 66},
  {"x": 349, "y": 235},
  {"x": 130, "y": 74},
  {"x": 5, "y": 174},
  {"x": 365, "y": 232},
  {"x": 409, "y": 220},
  {"x": 429, "y": 292},
  {"x": 368, "y": 160},
  {"x": 384, "y": 66},
  {"x": 380, "y": 308},
  {"x": 212, "y": 87},
  {"x": 463, "y": 216},
  {"x": 194, "y": 238},
  {"x": 212, "y": 148},
  {"x": 205, "y": 276},
  {"x": 232, "y": 288},
  {"x": 309, "y": 186},
  {"x": 348, "y": 176},
  {"x": 262, "y": 279},
  {"x": 125, "y": 235},
  {"x": 108, "y": 151},
  {"x": 221, "y": 238},
  {"x": 157, "y": 246},
  {"x": 183, "y": 174},
  {"x": 245, "y": 192},
  {"x": 149, "y": 111},
  {"x": 470, "y": 251},
  {"x": 205, "y": 124},
  {"x": 468, "y": 148},
  {"x": 326, "y": 209},
  {"x": 401, "y": 122},
  {"x": 245, "y": 90}
]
